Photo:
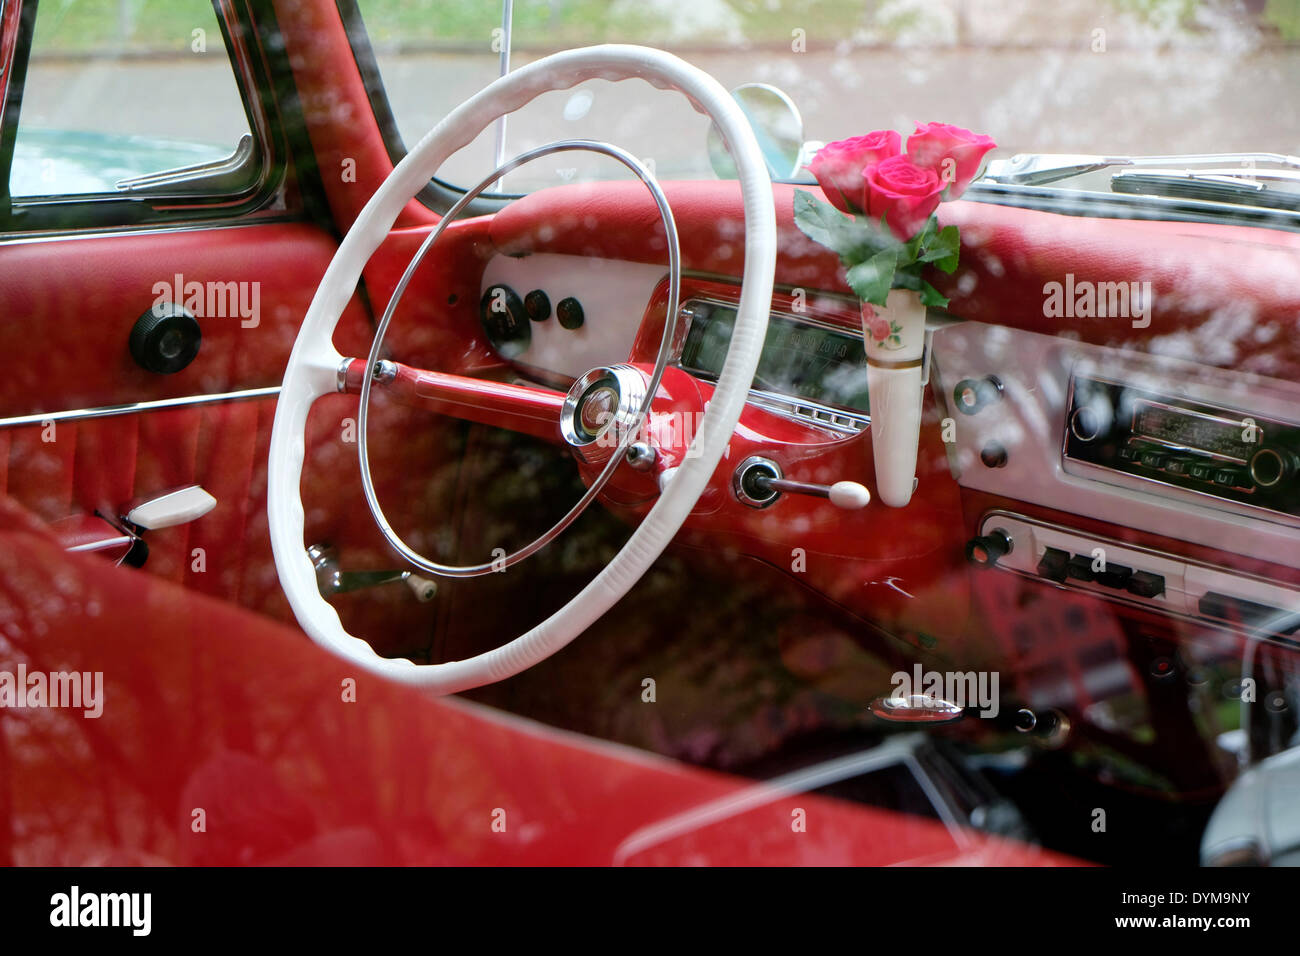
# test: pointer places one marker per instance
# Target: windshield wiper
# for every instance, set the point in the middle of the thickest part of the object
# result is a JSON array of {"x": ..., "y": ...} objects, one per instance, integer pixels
[
  {"x": 1239, "y": 185},
  {"x": 1038, "y": 169}
]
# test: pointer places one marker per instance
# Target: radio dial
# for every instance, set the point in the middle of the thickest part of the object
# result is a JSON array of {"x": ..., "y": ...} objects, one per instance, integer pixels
[
  {"x": 1085, "y": 423},
  {"x": 1270, "y": 467}
]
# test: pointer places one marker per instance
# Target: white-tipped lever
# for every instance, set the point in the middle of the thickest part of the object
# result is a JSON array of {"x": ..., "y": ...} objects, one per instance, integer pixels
[{"x": 848, "y": 495}]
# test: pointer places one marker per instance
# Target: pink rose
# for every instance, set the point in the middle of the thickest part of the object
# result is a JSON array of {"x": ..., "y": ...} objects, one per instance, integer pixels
[
  {"x": 904, "y": 193},
  {"x": 838, "y": 166},
  {"x": 879, "y": 327},
  {"x": 955, "y": 153}
]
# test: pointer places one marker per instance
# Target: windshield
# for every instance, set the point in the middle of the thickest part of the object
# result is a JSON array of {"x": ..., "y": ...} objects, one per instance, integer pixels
[{"x": 1107, "y": 77}]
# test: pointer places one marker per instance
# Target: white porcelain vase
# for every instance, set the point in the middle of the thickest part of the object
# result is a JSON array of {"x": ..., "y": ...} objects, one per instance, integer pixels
[{"x": 894, "y": 336}]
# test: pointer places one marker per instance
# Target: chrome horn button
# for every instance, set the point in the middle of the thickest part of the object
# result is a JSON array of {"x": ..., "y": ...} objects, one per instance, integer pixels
[{"x": 600, "y": 409}]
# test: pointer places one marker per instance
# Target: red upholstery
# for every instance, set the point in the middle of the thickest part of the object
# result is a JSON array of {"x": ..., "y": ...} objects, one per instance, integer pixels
[
  {"x": 227, "y": 739},
  {"x": 70, "y": 306}
]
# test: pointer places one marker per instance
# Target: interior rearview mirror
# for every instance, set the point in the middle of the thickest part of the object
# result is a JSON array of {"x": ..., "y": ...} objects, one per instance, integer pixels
[{"x": 776, "y": 123}]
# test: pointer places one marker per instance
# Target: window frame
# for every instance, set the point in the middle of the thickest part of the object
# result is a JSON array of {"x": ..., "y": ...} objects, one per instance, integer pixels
[
  {"x": 99, "y": 211},
  {"x": 438, "y": 195}
]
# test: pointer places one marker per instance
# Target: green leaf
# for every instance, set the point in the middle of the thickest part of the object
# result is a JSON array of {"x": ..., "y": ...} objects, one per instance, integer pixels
[
  {"x": 853, "y": 240},
  {"x": 817, "y": 220},
  {"x": 872, "y": 280},
  {"x": 917, "y": 245},
  {"x": 906, "y": 278},
  {"x": 930, "y": 296},
  {"x": 943, "y": 250}
]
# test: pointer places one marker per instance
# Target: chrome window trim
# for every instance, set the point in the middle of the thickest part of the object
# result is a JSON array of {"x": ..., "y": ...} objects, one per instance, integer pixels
[
  {"x": 836, "y": 418},
  {"x": 133, "y": 408},
  {"x": 251, "y": 221}
]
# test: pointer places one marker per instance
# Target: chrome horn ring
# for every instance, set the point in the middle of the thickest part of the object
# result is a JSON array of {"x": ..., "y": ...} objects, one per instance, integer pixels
[{"x": 628, "y": 429}]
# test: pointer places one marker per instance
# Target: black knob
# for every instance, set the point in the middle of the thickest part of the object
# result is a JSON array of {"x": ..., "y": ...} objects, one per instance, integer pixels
[
  {"x": 569, "y": 312},
  {"x": 165, "y": 339},
  {"x": 972, "y": 394},
  {"x": 1086, "y": 423},
  {"x": 988, "y": 549},
  {"x": 1044, "y": 723},
  {"x": 505, "y": 321},
  {"x": 538, "y": 305},
  {"x": 1272, "y": 466},
  {"x": 1025, "y": 720},
  {"x": 994, "y": 455}
]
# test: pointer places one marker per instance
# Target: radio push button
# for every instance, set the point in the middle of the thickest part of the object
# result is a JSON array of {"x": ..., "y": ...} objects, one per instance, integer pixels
[
  {"x": 1079, "y": 568},
  {"x": 1201, "y": 471},
  {"x": 1231, "y": 478},
  {"x": 1146, "y": 584},
  {"x": 1054, "y": 564},
  {"x": 1114, "y": 576}
]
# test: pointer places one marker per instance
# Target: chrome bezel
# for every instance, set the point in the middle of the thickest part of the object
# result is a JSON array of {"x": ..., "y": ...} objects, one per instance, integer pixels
[
  {"x": 630, "y": 386},
  {"x": 754, "y": 463},
  {"x": 1150, "y": 483},
  {"x": 835, "y": 417}
]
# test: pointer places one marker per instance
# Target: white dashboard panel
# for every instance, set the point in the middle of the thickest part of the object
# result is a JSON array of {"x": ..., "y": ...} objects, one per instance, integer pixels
[
  {"x": 1029, "y": 423},
  {"x": 613, "y": 295}
]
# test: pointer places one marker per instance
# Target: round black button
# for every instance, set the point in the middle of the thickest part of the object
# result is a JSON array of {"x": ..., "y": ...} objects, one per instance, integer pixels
[
  {"x": 569, "y": 312},
  {"x": 538, "y": 305},
  {"x": 1271, "y": 466},
  {"x": 165, "y": 339},
  {"x": 993, "y": 455},
  {"x": 504, "y": 320},
  {"x": 972, "y": 394},
  {"x": 988, "y": 548}
]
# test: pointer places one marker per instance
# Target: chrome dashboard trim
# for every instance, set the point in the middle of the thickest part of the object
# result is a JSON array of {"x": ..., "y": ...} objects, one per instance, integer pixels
[
  {"x": 132, "y": 408},
  {"x": 837, "y": 418},
  {"x": 999, "y": 517}
]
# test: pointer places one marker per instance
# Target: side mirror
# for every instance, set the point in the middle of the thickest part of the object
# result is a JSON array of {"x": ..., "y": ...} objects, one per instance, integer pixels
[{"x": 777, "y": 124}]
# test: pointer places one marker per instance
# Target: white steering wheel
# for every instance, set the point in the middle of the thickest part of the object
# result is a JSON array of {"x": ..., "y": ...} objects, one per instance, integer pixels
[{"x": 314, "y": 364}]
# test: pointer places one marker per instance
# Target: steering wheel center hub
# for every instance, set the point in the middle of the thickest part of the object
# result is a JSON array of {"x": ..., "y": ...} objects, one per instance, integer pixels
[{"x": 602, "y": 407}]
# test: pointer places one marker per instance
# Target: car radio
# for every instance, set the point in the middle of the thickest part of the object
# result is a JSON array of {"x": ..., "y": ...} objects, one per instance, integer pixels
[{"x": 1225, "y": 453}]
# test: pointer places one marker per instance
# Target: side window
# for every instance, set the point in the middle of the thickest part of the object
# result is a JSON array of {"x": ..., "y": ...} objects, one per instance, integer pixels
[{"x": 129, "y": 98}]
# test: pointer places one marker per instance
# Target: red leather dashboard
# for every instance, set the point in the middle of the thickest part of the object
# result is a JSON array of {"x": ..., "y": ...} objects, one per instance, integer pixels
[{"x": 1222, "y": 295}]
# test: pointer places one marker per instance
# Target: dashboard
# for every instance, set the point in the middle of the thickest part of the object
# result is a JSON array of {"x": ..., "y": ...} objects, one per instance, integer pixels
[
  {"x": 1148, "y": 481},
  {"x": 813, "y": 367}
]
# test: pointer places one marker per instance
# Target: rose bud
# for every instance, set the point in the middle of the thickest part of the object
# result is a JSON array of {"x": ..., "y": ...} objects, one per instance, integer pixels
[
  {"x": 953, "y": 152},
  {"x": 838, "y": 166},
  {"x": 904, "y": 193}
]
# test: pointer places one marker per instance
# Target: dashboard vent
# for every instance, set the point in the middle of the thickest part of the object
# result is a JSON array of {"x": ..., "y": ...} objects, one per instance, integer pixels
[{"x": 814, "y": 414}]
